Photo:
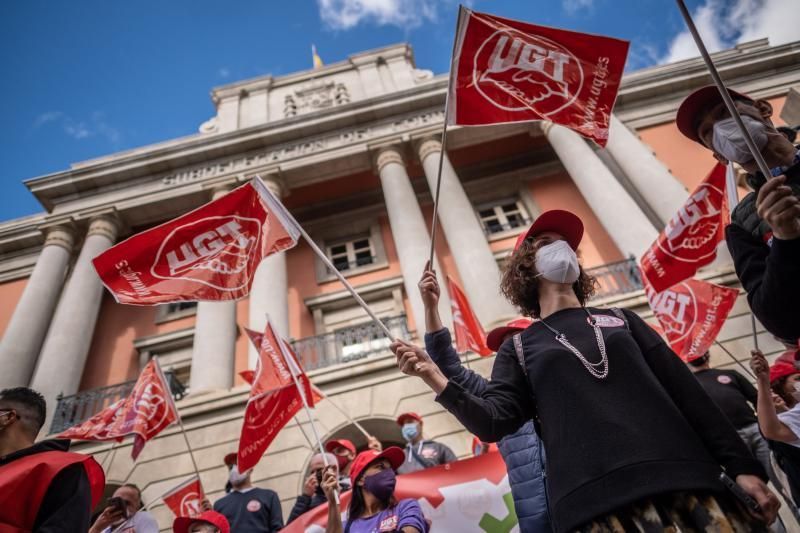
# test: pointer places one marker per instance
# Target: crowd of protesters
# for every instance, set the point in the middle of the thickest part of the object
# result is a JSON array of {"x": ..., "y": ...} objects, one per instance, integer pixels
[{"x": 635, "y": 440}]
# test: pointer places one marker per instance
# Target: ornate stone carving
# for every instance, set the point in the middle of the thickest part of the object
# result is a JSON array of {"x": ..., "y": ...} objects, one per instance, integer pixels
[
  {"x": 315, "y": 96},
  {"x": 386, "y": 156},
  {"x": 209, "y": 126},
  {"x": 62, "y": 236},
  {"x": 427, "y": 147},
  {"x": 105, "y": 225}
]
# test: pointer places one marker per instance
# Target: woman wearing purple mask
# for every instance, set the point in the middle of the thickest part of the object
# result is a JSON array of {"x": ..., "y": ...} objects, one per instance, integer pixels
[{"x": 373, "y": 506}]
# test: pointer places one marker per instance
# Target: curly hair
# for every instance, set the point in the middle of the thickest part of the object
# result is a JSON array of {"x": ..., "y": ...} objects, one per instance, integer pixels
[
  {"x": 521, "y": 286},
  {"x": 777, "y": 388}
]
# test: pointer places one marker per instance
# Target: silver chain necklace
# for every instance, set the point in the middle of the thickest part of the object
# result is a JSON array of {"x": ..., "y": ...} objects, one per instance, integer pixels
[{"x": 599, "y": 369}]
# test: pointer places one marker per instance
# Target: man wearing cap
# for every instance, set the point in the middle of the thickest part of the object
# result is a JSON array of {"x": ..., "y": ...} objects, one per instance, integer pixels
[
  {"x": 421, "y": 453},
  {"x": 764, "y": 233},
  {"x": 249, "y": 509},
  {"x": 207, "y": 522},
  {"x": 522, "y": 451}
]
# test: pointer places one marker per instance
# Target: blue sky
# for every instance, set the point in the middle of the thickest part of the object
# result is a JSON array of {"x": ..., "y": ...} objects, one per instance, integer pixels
[{"x": 85, "y": 78}]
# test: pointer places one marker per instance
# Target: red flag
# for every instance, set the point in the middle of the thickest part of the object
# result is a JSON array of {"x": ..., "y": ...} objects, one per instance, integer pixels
[
  {"x": 692, "y": 314},
  {"x": 146, "y": 411},
  {"x": 274, "y": 398},
  {"x": 469, "y": 333},
  {"x": 210, "y": 253},
  {"x": 186, "y": 498},
  {"x": 690, "y": 239},
  {"x": 510, "y": 71}
]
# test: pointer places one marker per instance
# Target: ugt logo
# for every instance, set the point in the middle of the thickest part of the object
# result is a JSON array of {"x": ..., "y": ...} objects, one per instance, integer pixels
[
  {"x": 691, "y": 234},
  {"x": 520, "y": 72},
  {"x": 676, "y": 309},
  {"x": 209, "y": 251}
]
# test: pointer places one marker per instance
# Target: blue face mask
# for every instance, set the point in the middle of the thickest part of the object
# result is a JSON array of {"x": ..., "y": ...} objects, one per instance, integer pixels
[{"x": 410, "y": 431}]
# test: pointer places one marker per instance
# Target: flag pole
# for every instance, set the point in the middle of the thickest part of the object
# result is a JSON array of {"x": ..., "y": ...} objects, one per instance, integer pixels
[
  {"x": 112, "y": 452},
  {"x": 303, "y": 431},
  {"x": 347, "y": 416},
  {"x": 747, "y": 370}
]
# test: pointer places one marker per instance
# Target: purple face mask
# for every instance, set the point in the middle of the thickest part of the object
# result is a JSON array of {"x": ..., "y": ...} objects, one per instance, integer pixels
[{"x": 382, "y": 484}]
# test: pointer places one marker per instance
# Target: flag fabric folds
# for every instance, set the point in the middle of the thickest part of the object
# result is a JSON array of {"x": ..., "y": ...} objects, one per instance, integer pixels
[
  {"x": 186, "y": 498},
  {"x": 208, "y": 254},
  {"x": 470, "y": 336},
  {"x": 147, "y": 411},
  {"x": 690, "y": 239},
  {"x": 505, "y": 70}
]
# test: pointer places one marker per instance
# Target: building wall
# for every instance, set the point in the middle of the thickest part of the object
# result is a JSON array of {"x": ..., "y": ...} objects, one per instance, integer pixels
[{"x": 10, "y": 293}]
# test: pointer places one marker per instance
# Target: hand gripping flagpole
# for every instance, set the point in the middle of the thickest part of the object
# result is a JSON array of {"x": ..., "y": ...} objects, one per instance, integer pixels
[{"x": 726, "y": 98}]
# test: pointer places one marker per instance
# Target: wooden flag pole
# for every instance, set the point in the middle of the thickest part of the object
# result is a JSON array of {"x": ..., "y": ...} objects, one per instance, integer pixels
[{"x": 303, "y": 431}]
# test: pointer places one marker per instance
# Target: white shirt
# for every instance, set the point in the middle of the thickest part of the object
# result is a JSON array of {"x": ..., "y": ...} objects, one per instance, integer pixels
[
  {"x": 141, "y": 522},
  {"x": 792, "y": 420}
]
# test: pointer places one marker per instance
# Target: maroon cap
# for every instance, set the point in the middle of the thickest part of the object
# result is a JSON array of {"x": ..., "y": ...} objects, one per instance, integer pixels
[
  {"x": 230, "y": 459},
  {"x": 702, "y": 99},
  {"x": 344, "y": 443},
  {"x": 182, "y": 523},
  {"x": 406, "y": 416},
  {"x": 558, "y": 221},
  {"x": 395, "y": 455},
  {"x": 495, "y": 337}
]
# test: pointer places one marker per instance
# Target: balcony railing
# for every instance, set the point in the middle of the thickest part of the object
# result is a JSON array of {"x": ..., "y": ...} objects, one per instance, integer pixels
[
  {"x": 74, "y": 409},
  {"x": 350, "y": 344},
  {"x": 616, "y": 278}
]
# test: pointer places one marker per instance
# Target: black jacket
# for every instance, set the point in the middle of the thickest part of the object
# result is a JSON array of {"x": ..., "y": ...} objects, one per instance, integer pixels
[
  {"x": 67, "y": 505},
  {"x": 768, "y": 268},
  {"x": 648, "y": 428},
  {"x": 304, "y": 503}
]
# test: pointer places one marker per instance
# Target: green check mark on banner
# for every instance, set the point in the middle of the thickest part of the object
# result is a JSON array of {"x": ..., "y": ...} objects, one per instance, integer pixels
[{"x": 490, "y": 524}]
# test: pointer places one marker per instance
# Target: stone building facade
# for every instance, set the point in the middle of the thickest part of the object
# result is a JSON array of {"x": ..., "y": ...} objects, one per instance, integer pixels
[{"x": 352, "y": 149}]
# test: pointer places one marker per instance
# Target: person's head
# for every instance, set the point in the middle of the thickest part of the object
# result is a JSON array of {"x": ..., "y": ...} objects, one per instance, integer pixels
[
  {"x": 344, "y": 451},
  {"x": 789, "y": 133},
  {"x": 317, "y": 466},
  {"x": 22, "y": 415},
  {"x": 373, "y": 479},
  {"x": 703, "y": 118},
  {"x": 545, "y": 258},
  {"x": 237, "y": 479},
  {"x": 131, "y": 495},
  {"x": 496, "y": 337},
  {"x": 207, "y": 522},
  {"x": 410, "y": 426},
  {"x": 700, "y": 363},
  {"x": 784, "y": 380}
]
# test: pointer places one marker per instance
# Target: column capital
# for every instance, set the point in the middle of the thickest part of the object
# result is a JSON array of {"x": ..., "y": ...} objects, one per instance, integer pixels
[
  {"x": 276, "y": 184},
  {"x": 546, "y": 126},
  {"x": 105, "y": 224},
  {"x": 63, "y": 236},
  {"x": 427, "y": 146},
  {"x": 388, "y": 154}
]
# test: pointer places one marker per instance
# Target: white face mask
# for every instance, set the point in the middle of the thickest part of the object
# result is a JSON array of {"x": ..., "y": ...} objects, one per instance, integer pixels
[
  {"x": 558, "y": 263},
  {"x": 729, "y": 142},
  {"x": 236, "y": 477}
]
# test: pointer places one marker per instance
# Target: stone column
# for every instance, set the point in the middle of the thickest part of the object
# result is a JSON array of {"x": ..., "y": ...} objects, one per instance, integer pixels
[
  {"x": 63, "y": 356},
  {"x": 659, "y": 188},
  {"x": 409, "y": 232},
  {"x": 27, "y": 328},
  {"x": 628, "y": 226},
  {"x": 268, "y": 293},
  {"x": 214, "y": 349},
  {"x": 474, "y": 259}
]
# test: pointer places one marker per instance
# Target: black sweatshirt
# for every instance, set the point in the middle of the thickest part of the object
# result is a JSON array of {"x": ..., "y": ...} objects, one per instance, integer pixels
[
  {"x": 648, "y": 428},
  {"x": 67, "y": 504},
  {"x": 253, "y": 511},
  {"x": 731, "y": 392}
]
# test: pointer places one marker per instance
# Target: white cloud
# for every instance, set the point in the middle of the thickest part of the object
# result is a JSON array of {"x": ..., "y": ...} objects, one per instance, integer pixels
[
  {"x": 573, "y": 6},
  {"x": 723, "y": 24},
  {"x": 406, "y": 14},
  {"x": 97, "y": 125},
  {"x": 44, "y": 118},
  {"x": 223, "y": 72}
]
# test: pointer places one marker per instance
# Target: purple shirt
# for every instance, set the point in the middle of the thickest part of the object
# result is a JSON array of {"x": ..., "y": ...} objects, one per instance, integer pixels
[{"x": 406, "y": 513}]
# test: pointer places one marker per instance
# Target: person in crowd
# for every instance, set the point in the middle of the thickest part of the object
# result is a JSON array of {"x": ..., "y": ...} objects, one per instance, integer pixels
[
  {"x": 312, "y": 495},
  {"x": 124, "y": 513},
  {"x": 764, "y": 233},
  {"x": 737, "y": 397},
  {"x": 345, "y": 452},
  {"x": 249, "y": 509},
  {"x": 522, "y": 450},
  {"x": 421, "y": 453},
  {"x": 207, "y": 522},
  {"x": 43, "y": 486},
  {"x": 789, "y": 133},
  {"x": 373, "y": 506},
  {"x": 631, "y": 437}
]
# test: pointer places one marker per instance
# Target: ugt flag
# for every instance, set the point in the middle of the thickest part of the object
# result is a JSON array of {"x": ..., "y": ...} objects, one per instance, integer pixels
[
  {"x": 692, "y": 314},
  {"x": 274, "y": 398},
  {"x": 186, "y": 499},
  {"x": 147, "y": 411},
  {"x": 470, "y": 336},
  {"x": 690, "y": 239},
  {"x": 505, "y": 70},
  {"x": 208, "y": 254}
]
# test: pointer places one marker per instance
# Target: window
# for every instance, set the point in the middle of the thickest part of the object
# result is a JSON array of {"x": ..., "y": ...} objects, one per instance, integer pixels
[
  {"x": 352, "y": 254},
  {"x": 174, "y": 351},
  {"x": 175, "y": 311},
  {"x": 505, "y": 215}
]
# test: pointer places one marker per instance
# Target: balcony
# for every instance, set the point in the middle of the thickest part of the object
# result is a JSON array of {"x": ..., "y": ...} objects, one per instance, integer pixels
[
  {"x": 616, "y": 278},
  {"x": 349, "y": 344},
  {"x": 77, "y": 408}
]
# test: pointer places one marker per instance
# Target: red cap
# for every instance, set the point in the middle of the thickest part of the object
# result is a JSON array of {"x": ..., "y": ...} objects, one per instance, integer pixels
[
  {"x": 700, "y": 100},
  {"x": 782, "y": 367},
  {"x": 496, "y": 337},
  {"x": 230, "y": 459},
  {"x": 182, "y": 523},
  {"x": 344, "y": 443},
  {"x": 395, "y": 455},
  {"x": 406, "y": 416},
  {"x": 558, "y": 221}
]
